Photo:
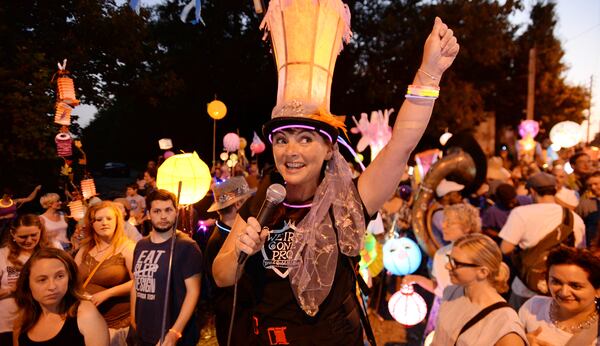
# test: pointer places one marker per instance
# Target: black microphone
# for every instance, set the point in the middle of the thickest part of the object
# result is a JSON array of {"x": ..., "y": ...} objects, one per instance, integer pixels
[{"x": 275, "y": 195}]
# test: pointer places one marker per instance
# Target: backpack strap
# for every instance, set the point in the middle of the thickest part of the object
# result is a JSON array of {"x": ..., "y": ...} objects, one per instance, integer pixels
[{"x": 481, "y": 315}]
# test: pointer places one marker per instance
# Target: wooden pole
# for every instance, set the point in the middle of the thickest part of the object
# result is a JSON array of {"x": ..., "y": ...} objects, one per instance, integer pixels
[{"x": 531, "y": 84}]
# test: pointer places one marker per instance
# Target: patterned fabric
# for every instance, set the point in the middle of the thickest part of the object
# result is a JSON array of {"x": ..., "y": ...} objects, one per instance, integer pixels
[{"x": 314, "y": 244}]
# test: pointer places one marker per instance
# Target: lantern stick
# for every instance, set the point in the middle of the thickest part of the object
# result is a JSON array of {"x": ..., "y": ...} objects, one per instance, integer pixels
[
  {"x": 214, "y": 142},
  {"x": 167, "y": 291}
]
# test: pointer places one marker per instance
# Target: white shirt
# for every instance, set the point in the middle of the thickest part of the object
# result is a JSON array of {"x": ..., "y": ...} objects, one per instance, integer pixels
[
  {"x": 528, "y": 224},
  {"x": 8, "y": 278},
  {"x": 439, "y": 271},
  {"x": 535, "y": 313}
]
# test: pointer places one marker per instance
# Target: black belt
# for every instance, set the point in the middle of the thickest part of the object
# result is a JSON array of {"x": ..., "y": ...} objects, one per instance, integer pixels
[{"x": 344, "y": 321}]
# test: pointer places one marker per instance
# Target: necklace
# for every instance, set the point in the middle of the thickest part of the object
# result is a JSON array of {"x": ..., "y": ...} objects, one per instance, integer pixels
[
  {"x": 98, "y": 251},
  {"x": 297, "y": 206},
  {"x": 585, "y": 324}
]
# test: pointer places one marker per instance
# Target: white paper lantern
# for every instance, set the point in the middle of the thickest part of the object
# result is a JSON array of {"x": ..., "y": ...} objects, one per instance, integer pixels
[
  {"x": 165, "y": 143},
  {"x": 231, "y": 142},
  {"x": 407, "y": 307},
  {"x": 188, "y": 169},
  {"x": 566, "y": 134}
]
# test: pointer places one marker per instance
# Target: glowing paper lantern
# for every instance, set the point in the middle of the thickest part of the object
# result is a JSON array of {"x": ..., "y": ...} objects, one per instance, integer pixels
[
  {"x": 66, "y": 90},
  {"x": 429, "y": 339},
  {"x": 371, "y": 258},
  {"x": 216, "y": 109},
  {"x": 63, "y": 114},
  {"x": 401, "y": 256},
  {"x": 445, "y": 137},
  {"x": 566, "y": 134},
  {"x": 257, "y": 146},
  {"x": 168, "y": 154},
  {"x": 88, "y": 188},
  {"x": 77, "y": 209},
  {"x": 407, "y": 307},
  {"x": 306, "y": 36},
  {"x": 243, "y": 143},
  {"x": 191, "y": 171},
  {"x": 529, "y": 128},
  {"x": 224, "y": 156},
  {"x": 231, "y": 142},
  {"x": 64, "y": 146},
  {"x": 165, "y": 144}
]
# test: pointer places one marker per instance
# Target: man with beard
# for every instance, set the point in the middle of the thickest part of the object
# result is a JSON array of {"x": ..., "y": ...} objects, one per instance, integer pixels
[{"x": 150, "y": 269}]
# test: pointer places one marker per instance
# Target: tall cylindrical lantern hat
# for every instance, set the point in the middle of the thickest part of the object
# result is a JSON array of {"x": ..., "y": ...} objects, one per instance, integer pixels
[
  {"x": 307, "y": 36},
  {"x": 63, "y": 114},
  {"x": 64, "y": 145}
]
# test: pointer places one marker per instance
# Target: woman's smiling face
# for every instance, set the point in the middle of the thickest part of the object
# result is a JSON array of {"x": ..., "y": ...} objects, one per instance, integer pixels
[
  {"x": 299, "y": 155},
  {"x": 571, "y": 288}
]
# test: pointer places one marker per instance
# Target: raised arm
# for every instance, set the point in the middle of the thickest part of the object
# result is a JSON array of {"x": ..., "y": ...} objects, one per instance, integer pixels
[
  {"x": 378, "y": 182},
  {"x": 30, "y": 197}
]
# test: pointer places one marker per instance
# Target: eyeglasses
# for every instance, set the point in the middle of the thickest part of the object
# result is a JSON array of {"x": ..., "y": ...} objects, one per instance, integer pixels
[{"x": 454, "y": 264}]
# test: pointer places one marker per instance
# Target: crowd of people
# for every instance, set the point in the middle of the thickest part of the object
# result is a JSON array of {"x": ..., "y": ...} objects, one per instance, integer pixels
[{"x": 518, "y": 261}]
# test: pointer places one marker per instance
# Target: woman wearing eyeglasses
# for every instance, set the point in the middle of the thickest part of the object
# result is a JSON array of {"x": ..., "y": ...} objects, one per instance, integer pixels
[
  {"x": 570, "y": 315},
  {"x": 473, "y": 312}
]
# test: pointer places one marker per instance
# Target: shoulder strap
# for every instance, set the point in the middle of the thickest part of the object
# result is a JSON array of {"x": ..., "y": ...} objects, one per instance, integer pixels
[
  {"x": 481, "y": 315},
  {"x": 559, "y": 234},
  {"x": 87, "y": 281},
  {"x": 364, "y": 319}
]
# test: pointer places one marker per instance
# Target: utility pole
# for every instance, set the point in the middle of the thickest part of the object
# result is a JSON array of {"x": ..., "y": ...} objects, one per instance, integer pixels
[
  {"x": 531, "y": 84},
  {"x": 589, "y": 117}
]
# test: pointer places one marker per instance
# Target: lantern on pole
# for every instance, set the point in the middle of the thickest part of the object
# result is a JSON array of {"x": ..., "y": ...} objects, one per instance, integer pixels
[
  {"x": 217, "y": 111},
  {"x": 77, "y": 209},
  {"x": 401, "y": 256},
  {"x": 257, "y": 146},
  {"x": 188, "y": 169},
  {"x": 62, "y": 116},
  {"x": 88, "y": 188},
  {"x": 64, "y": 143},
  {"x": 407, "y": 307},
  {"x": 165, "y": 143},
  {"x": 231, "y": 142},
  {"x": 566, "y": 134},
  {"x": 65, "y": 86}
]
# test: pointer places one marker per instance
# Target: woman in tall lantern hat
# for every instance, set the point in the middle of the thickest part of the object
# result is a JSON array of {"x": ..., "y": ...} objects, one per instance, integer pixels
[{"x": 301, "y": 269}]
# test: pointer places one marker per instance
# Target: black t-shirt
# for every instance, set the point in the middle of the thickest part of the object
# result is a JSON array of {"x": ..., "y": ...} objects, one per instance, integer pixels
[
  {"x": 222, "y": 298},
  {"x": 150, "y": 267},
  {"x": 268, "y": 271}
]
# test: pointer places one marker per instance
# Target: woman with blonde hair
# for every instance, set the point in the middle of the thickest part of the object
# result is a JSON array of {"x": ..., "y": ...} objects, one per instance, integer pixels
[
  {"x": 104, "y": 261},
  {"x": 54, "y": 220},
  {"x": 473, "y": 312}
]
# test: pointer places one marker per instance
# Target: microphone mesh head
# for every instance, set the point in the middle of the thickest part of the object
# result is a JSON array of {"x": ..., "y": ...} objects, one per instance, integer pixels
[{"x": 276, "y": 193}]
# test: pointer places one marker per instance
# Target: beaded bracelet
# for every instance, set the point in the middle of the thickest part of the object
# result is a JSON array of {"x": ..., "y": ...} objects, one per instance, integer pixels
[
  {"x": 422, "y": 92},
  {"x": 177, "y": 334}
]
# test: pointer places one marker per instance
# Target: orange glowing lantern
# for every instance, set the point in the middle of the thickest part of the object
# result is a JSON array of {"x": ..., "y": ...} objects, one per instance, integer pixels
[
  {"x": 407, "y": 307},
  {"x": 66, "y": 89},
  {"x": 88, "y": 188},
  {"x": 216, "y": 109},
  {"x": 63, "y": 114},
  {"x": 77, "y": 209},
  {"x": 188, "y": 169}
]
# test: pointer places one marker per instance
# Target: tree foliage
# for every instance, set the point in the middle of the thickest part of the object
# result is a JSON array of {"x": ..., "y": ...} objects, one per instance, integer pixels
[{"x": 151, "y": 75}]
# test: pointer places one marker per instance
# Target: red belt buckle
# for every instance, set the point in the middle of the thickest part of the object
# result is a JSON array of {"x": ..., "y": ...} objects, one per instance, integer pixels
[
  {"x": 255, "y": 326},
  {"x": 277, "y": 336}
]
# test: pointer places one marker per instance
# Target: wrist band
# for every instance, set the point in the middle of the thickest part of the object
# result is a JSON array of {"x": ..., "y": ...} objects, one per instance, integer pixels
[
  {"x": 422, "y": 92},
  {"x": 178, "y": 334},
  {"x": 428, "y": 74}
]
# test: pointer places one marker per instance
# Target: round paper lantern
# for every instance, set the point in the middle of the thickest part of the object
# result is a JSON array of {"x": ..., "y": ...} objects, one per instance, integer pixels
[
  {"x": 257, "y": 146},
  {"x": 216, "y": 109},
  {"x": 63, "y": 114},
  {"x": 64, "y": 146},
  {"x": 77, "y": 209},
  {"x": 529, "y": 128},
  {"x": 243, "y": 143},
  {"x": 401, "y": 256},
  {"x": 168, "y": 154},
  {"x": 224, "y": 156},
  {"x": 188, "y": 169},
  {"x": 368, "y": 254},
  {"x": 566, "y": 134},
  {"x": 407, "y": 307},
  {"x": 429, "y": 339},
  {"x": 165, "y": 144},
  {"x": 88, "y": 188},
  {"x": 231, "y": 142}
]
